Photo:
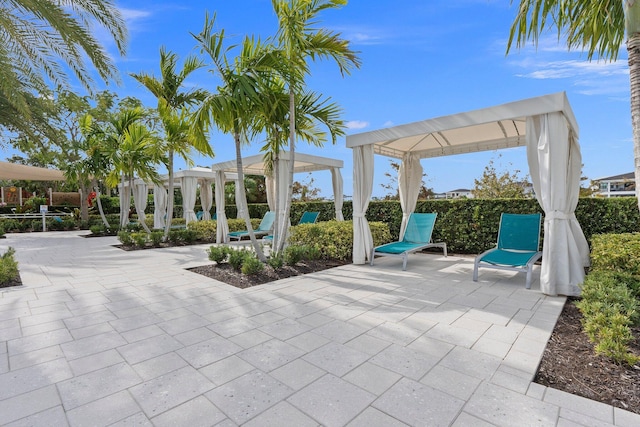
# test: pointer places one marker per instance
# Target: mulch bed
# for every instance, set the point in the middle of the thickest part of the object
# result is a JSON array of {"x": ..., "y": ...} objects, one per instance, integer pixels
[
  {"x": 14, "y": 282},
  {"x": 226, "y": 274},
  {"x": 570, "y": 364}
]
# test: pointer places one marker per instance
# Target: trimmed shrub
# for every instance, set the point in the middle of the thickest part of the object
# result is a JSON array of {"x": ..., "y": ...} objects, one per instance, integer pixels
[
  {"x": 8, "y": 266},
  {"x": 205, "y": 230},
  {"x": 334, "y": 239},
  {"x": 616, "y": 253},
  {"x": 139, "y": 239},
  {"x": 238, "y": 257},
  {"x": 156, "y": 237},
  {"x": 275, "y": 261},
  {"x": 125, "y": 237}
]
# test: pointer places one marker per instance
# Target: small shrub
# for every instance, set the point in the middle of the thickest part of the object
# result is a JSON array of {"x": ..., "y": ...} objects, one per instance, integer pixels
[
  {"x": 219, "y": 254},
  {"x": 252, "y": 265},
  {"x": 609, "y": 309},
  {"x": 294, "y": 254},
  {"x": 238, "y": 257},
  {"x": 156, "y": 237},
  {"x": 139, "y": 239},
  {"x": 188, "y": 236},
  {"x": 8, "y": 266},
  {"x": 275, "y": 261},
  {"x": 125, "y": 238},
  {"x": 174, "y": 236}
]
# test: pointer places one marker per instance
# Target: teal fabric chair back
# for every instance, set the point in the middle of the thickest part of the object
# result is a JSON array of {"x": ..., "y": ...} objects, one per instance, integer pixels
[
  {"x": 419, "y": 227},
  {"x": 519, "y": 232},
  {"x": 267, "y": 221},
  {"x": 309, "y": 217}
]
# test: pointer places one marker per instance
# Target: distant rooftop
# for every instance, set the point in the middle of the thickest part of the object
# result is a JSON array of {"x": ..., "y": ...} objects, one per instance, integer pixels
[{"x": 629, "y": 175}]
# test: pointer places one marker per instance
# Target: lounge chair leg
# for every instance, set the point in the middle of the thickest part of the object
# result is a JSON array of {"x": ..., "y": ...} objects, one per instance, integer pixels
[
  {"x": 475, "y": 271},
  {"x": 371, "y": 258},
  {"x": 405, "y": 258},
  {"x": 528, "y": 283},
  {"x": 444, "y": 248}
]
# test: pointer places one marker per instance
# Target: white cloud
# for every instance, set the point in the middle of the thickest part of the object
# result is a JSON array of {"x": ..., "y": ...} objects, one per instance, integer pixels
[
  {"x": 133, "y": 14},
  {"x": 357, "y": 124},
  {"x": 388, "y": 123}
]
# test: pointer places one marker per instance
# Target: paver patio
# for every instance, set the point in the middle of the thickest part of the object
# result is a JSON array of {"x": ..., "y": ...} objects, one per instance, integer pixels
[{"x": 98, "y": 336}]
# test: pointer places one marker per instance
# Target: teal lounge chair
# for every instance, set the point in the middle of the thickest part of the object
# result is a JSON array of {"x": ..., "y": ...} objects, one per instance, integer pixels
[
  {"x": 518, "y": 244},
  {"x": 306, "y": 218},
  {"x": 264, "y": 228},
  {"x": 417, "y": 236}
]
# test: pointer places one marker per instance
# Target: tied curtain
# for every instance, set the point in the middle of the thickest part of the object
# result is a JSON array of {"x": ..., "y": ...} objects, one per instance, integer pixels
[
  {"x": 362, "y": 189},
  {"x": 555, "y": 164},
  {"x": 160, "y": 206},
  {"x": 125, "y": 204},
  {"x": 140, "y": 194},
  {"x": 338, "y": 192},
  {"x": 222, "y": 227},
  {"x": 206, "y": 199},
  {"x": 409, "y": 180},
  {"x": 189, "y": 187},
  {"x": 281, "y": 226}
]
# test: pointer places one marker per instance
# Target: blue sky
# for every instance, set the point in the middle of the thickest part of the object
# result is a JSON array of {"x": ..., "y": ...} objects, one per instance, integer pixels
[{"x": 420, "y": 59}]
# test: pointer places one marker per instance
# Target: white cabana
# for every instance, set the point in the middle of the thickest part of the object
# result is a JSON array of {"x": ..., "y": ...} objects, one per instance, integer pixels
[
  {"x": 188, "y": 181},
  {"x": 159, "y": 206},
  {"x": 545, "y": 124},
  {"x": 255, "y": 165}
]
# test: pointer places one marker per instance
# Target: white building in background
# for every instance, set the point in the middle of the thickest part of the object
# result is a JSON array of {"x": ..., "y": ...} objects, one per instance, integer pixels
[
  {"x": 623, "y": 185},
  {"x": 460, "y": 192}
]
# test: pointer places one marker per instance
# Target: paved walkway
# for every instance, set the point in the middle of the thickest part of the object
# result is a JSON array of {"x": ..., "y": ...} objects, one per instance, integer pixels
[{"x": 98, "y": 336}]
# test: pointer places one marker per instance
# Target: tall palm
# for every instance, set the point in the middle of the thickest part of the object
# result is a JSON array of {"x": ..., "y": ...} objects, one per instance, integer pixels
[
  {"x": 173, "y": 104},
  {"x": 37, "y": 36},
  {"x": 232, "y": 108},
  {"x": 300, "y": 41},
  {"x": 132, "y": 149},
  {"x": 312, "y": 113},
  {"x": 595, "y": 26}
]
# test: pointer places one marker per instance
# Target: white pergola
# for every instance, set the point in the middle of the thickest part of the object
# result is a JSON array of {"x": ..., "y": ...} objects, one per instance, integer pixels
[
  {"x": 255, "y": 165},
  {"x": 545, "y": 125}
]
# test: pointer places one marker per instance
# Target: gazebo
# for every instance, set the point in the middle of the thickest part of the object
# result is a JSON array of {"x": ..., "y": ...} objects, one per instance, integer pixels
[
  {"x": 546, "y": 125},
  {"x": 255, "y": 165}
]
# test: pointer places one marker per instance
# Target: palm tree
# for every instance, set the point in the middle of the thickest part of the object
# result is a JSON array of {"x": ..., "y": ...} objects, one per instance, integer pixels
[
  {"x": 311, "y": 112},
  {"x": 299, "y": 41},
  {"x": 595, "y": 26},
  {"x": 133, "y": 151},
  {"x": 232, "y": 108},
  {"x": 36, "y": 36},
  {"x": 173, "y": 110}
]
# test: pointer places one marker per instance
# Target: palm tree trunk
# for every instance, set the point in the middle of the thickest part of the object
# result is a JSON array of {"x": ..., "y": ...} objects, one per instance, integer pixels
[
  {"x": 633, "y": 48},
  {"x": 84, "y": 203},
  {"x": 243, "y": 201},
  {"x": 292, "y": 150},
  {"x": 276, "y": 184},
  {"x": 169, "y": 216}
]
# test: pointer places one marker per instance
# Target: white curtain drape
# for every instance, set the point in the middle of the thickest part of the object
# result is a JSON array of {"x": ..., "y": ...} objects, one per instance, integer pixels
[
  {"x": 409, "y": 180},
  {"x": 160, "y": 206},
  {"x": 125, "y": 204},
  {"x": 140, "y": 193},
  {"x": 206, "y": 199},
  {"x": 338, "y": 192},
  {"x": 270, "y": 187},
  {"x": 362, "y": 189},
  {"x": 555, "y": 163},
  {"x": 222, "y": 227},
  {"x": 189, "y": 188}
]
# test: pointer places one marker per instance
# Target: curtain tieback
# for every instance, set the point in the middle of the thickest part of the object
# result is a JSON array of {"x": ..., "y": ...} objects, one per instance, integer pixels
[
  {"x": 358, "y": 215},
  {"x": 558, "y": 215}
]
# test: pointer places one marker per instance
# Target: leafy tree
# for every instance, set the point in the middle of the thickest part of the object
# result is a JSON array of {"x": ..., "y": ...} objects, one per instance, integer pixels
[
  {"x": 305, "y": 191},
  {"x": 36, "y": 37},
  {"x": 500, "y": 185},
  {"x": 392, "y": 186},
  {"x": 300, "y": 40},
  {"x": 595, "y": 26},
  {"x": 173, "y": 108}
]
